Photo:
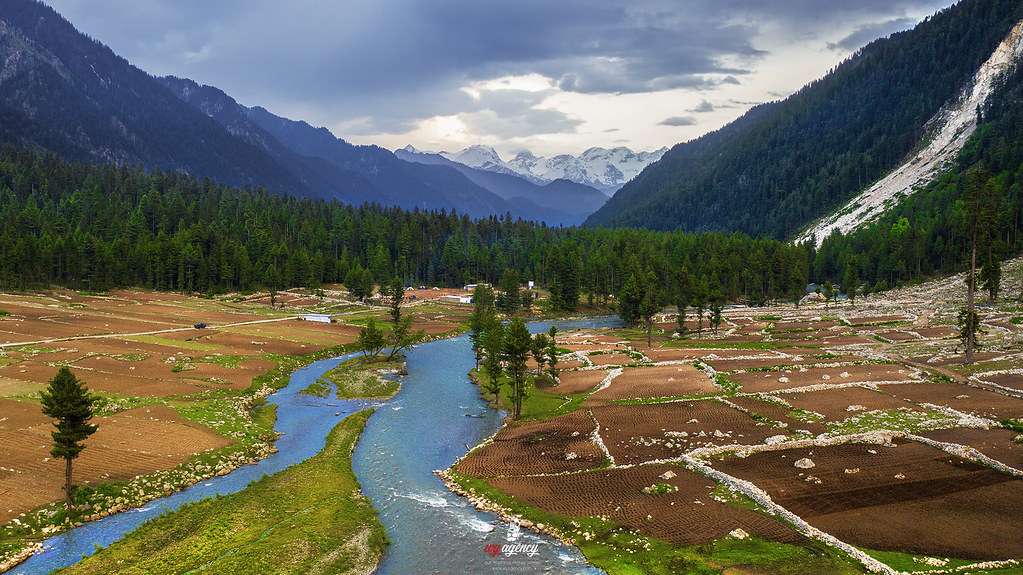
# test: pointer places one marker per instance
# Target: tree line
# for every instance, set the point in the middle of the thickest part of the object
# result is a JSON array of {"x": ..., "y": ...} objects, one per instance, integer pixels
[{"x": 101, "y": 227}]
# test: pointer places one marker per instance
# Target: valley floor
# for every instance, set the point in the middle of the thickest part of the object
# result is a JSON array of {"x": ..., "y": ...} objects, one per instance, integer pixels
[
  {"x": 820, "y": 439},
  {"x": 177, "y": 405}
]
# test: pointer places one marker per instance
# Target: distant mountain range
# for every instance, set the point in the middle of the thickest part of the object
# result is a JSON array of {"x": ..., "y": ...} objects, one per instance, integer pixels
[
  {"x": 63, "y": 92},
  {"x": 600, "y": 168},
  {"x": 562, "y": 201},
  {"x": 843, "y": 149}
]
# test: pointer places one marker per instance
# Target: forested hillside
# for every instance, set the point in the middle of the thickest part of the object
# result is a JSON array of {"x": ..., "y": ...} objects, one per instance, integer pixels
[
  {"x": 96, "y": 227},
  {"x": 927, "y": 233},
  {"x": 785, "y": 164}
]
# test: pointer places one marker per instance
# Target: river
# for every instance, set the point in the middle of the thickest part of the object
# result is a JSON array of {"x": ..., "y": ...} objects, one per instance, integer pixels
[{"x": 423, "y": 428}]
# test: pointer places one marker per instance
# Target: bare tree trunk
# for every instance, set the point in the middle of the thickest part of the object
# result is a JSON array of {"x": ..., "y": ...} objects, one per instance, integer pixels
[
  {"x": 67, "y": 485},
  {"x": 971, "y": 283}
]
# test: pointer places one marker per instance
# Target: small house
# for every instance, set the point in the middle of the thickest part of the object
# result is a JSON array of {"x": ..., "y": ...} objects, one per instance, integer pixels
[{"x": 316, "y": 317}]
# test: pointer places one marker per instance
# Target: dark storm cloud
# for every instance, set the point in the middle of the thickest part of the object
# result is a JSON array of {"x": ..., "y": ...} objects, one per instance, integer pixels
[
  {"x": 387, "y": 63},
  {"x": 678, "y": 121},
  {"x": 702, "y": 108}
]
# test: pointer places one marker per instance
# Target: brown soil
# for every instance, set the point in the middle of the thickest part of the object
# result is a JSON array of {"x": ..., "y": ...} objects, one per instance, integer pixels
[
  {"x": 1010, "y": 380},
  {"x": 634, "y": 434},
  {"x": 911, "y": 498},
  {"x": 961, "y": 397},
  {"x": 834, "y": 404},
  {"x": 686, "y": 517},
  {"x": 760, "y": 381},
  {"x": 876, "y": 319},
  {"x": 898, "y": 336},
  {"x": 611, "y": 359},
  {"x": 775, "y": 361},
  {"x": 537, "y": 447},
  {"x": 658, "y": 381},
  {"x": 940, "y": 332},
  {"x": 131, "y": 443},
  {"x": 776, "y": 412},
  {"x": 806, "y": 325},
  {"x": 681, "y": 354},
  {"x": 579, "y": 381},
  {"x": 1000, "y": 444}
]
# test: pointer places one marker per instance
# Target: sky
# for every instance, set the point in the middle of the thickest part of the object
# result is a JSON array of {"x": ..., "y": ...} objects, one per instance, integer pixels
[{"x": 551, "y": 76}]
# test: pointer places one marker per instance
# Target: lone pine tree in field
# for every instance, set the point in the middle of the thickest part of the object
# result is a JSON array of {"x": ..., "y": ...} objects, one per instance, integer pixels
[
  {"x": 67, "y": 400},
  {"x": 371, "y": 339},
  {"x": 402, "y": 337},
  {"x": 981, "y": 199}
]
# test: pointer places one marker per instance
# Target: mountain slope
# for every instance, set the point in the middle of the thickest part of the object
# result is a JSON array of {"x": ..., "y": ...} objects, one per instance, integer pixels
[
  {"x": 785, "y": 164},
  {"x": 328, "y": 164},
  {"x": 66, "y": 93},
  {"x": 953, "y": 127},
  {"x": 568, "y": 203}
]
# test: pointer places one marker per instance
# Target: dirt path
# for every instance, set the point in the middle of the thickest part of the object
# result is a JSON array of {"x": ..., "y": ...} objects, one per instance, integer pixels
[{"x": 138, "y": 333}]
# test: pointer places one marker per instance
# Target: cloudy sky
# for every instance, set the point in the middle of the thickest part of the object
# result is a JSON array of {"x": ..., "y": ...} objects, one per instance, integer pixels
[{"x": 553, "y": 76}]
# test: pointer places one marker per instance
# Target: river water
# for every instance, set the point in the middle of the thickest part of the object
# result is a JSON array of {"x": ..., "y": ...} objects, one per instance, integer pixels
[{"x": 425, "y": 427}]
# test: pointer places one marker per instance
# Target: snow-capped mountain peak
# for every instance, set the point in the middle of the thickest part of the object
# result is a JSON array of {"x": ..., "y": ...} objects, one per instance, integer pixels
[
  {"x": 477, "y": 156},
  {"x": 602, "y": 168}
]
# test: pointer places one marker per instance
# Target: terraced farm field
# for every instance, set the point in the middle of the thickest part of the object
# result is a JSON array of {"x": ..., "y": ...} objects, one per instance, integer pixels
[{"x": 849, "y": 438}]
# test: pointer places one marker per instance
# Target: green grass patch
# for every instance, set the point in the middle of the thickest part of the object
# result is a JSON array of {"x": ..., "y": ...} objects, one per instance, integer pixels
[
  {"x": 902, "y": 419},
  {"x": 318, "y": 388},
  {"x": 309, "y": 517},
  {"x": 364, "y": 377},
  {"x": 538, "y": 404},
  {"x": 727, "y": 384},
  {"x": 264, "y": 414},
  {"x": 906, "y": 563}
]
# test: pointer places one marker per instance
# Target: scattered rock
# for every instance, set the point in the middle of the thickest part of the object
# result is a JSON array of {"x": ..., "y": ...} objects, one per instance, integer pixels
[
  {"x": 738, "y": 533},
  {"x": 805, "y": 463}
]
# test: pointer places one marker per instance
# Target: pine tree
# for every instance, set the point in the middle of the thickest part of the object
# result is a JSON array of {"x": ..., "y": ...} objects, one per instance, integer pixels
[
  {"x": 683, "y": 295},
  {"x": 517, "y": 344},
  {"x": 648, "y": 308},
  {"x": 482, "y": 316},
  {"x": 851, "y": 281},
  {"x": 552, "y": 352},
  {"x": 539, "y": 351},
  {"x": 510, "y": 299},
  {"x": 630, "y": 299},
  {"x": 493, "y": 347},
  {"x": 371, "y": 339},
  {"x": 68, "y": 401}
]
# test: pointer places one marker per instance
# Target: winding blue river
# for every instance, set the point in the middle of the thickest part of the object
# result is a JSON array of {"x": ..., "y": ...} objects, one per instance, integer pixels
[{"x": 422, "y": 429}]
